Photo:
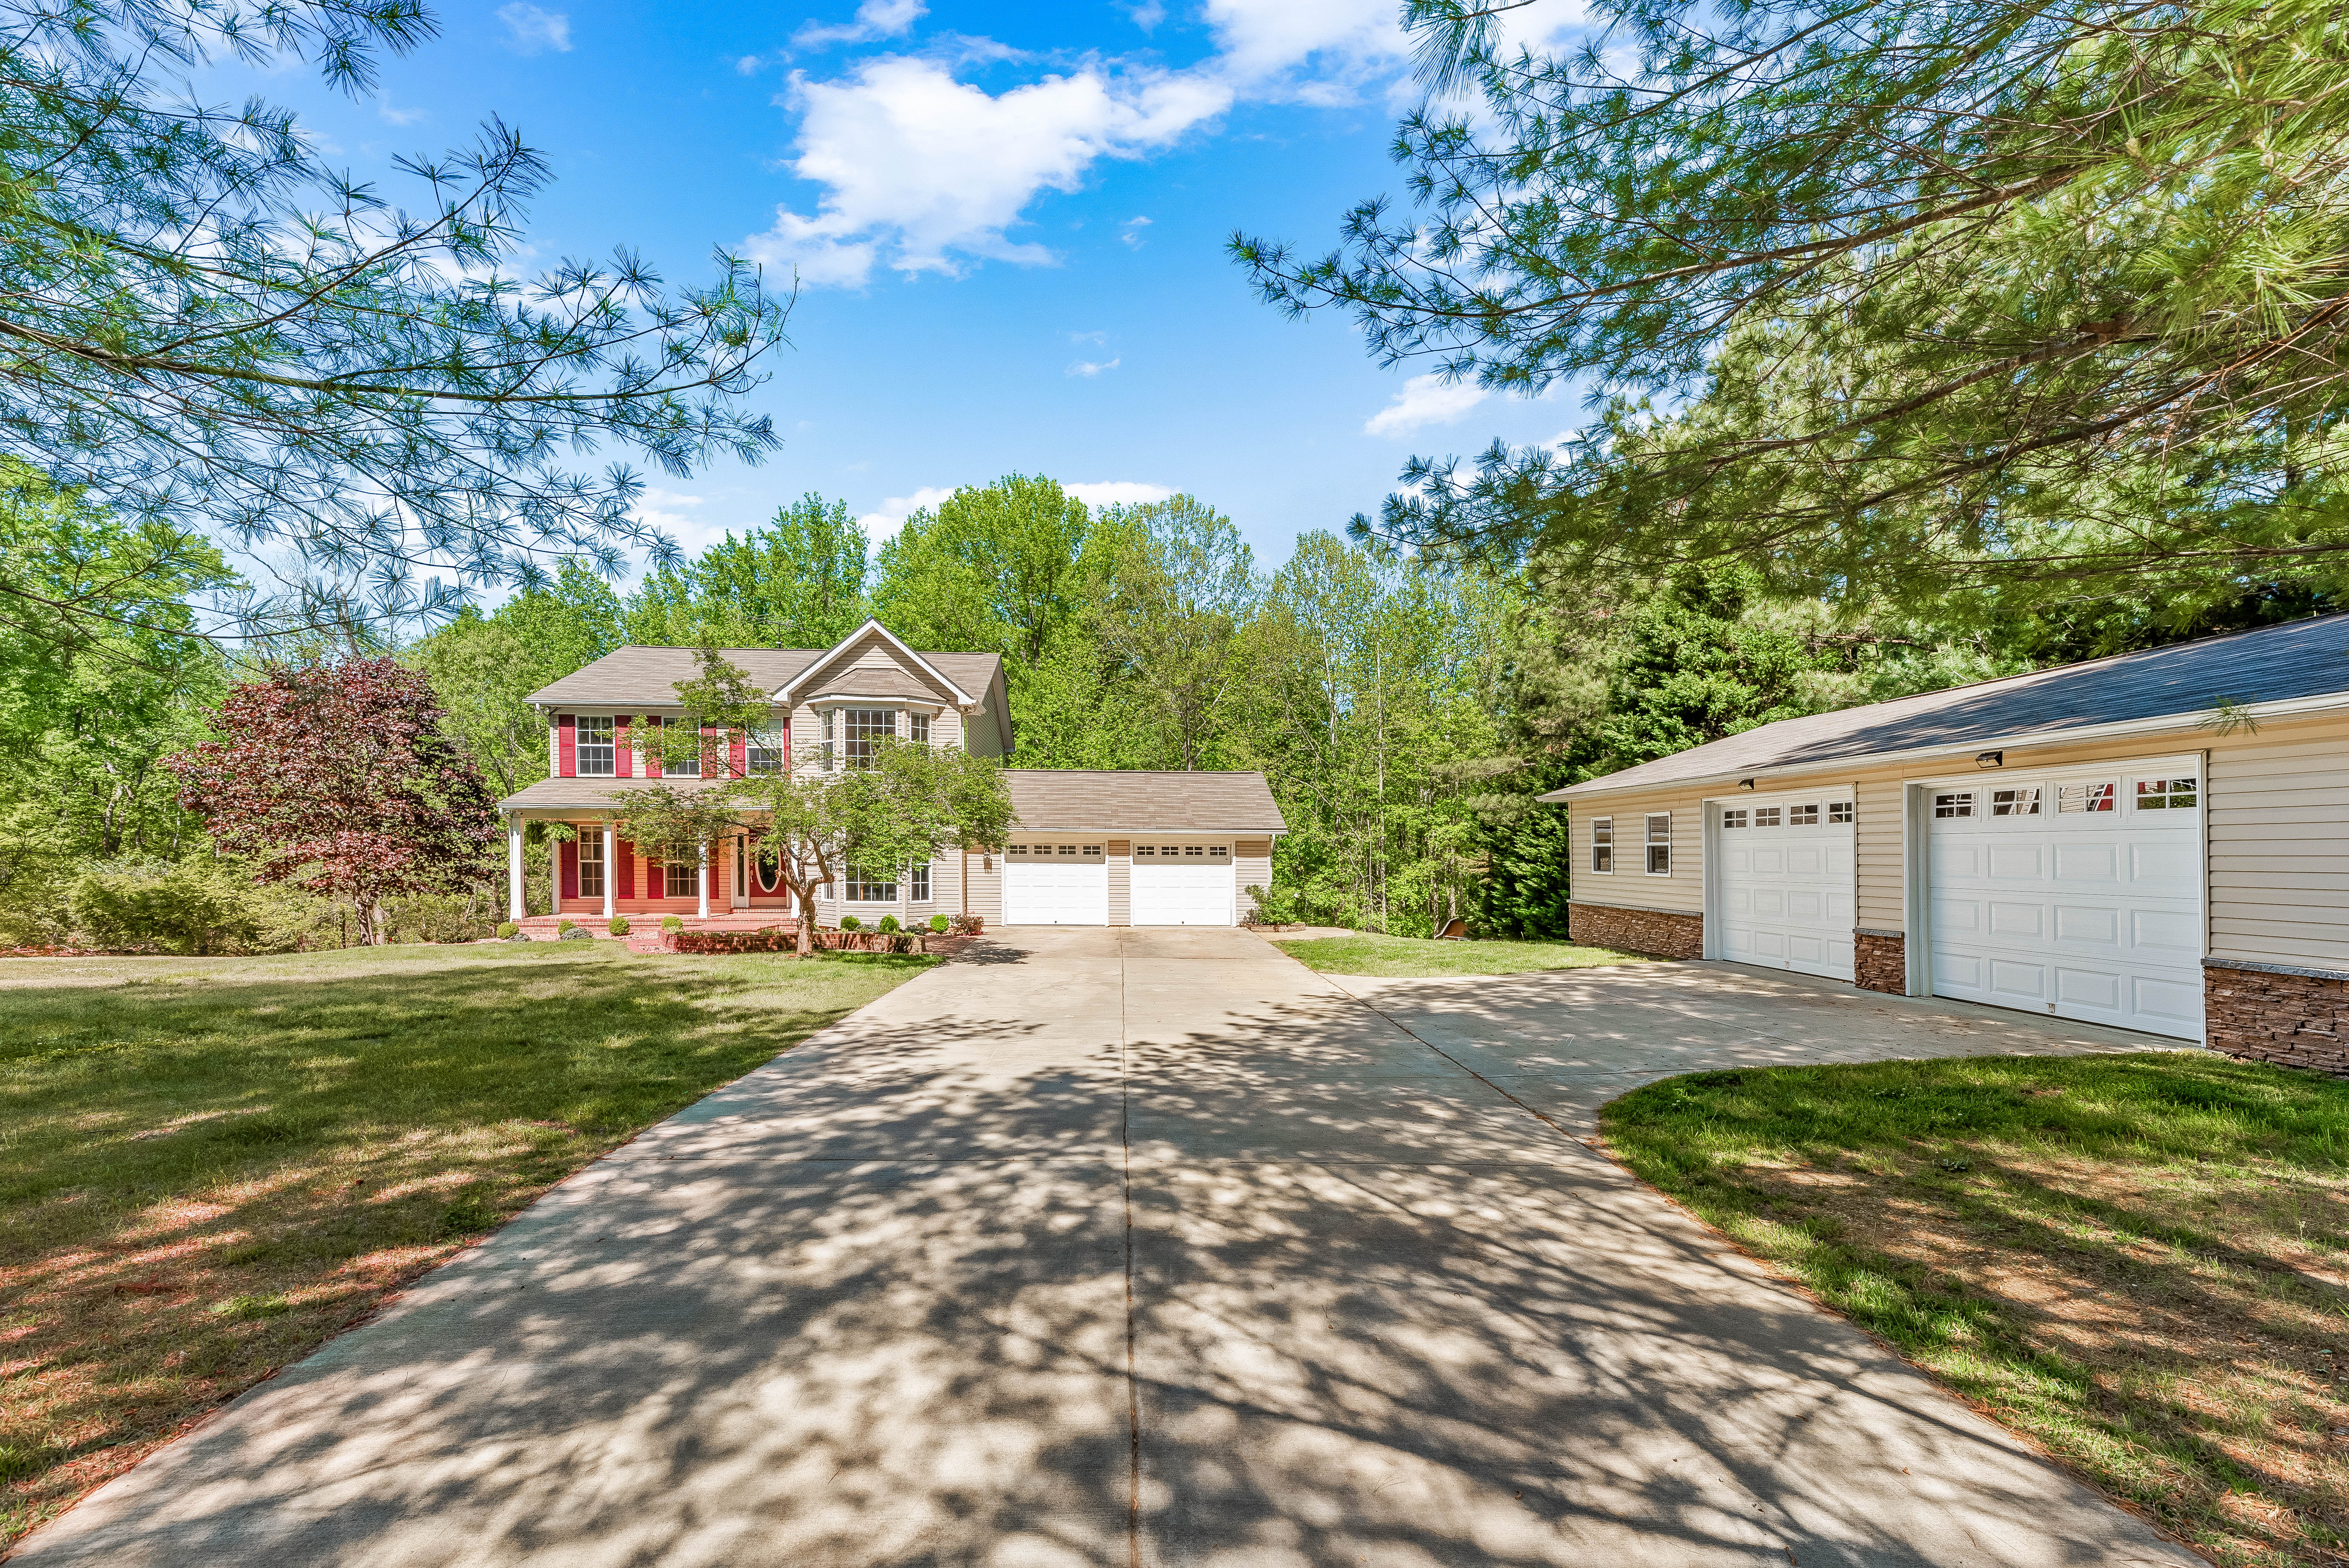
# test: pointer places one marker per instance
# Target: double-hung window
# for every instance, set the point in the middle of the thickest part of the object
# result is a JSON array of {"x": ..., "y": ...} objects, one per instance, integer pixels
[
  {"x": 1602, "y": 844},
  {"x": 917, "y": 727},
  {"x": 868, "y": 887},
  {"x": 682, "y": 879},
  {"x": 868, "y": 729},
  {"x": 1660, "y": 845},
  {"x": 762, "y": 752},
  {"x": 595, "y": 747},
  {"x": 591, "y": 862},
  {"x": 685, "y": 764},
  {"x": 918, "y": 889}
]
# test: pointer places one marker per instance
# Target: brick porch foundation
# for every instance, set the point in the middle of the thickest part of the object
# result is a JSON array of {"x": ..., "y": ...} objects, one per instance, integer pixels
[
  {"x": 2276, "y": 1012},
  {"x": 1658, "y": 932},
  {"x": 1880, "y": 961}
]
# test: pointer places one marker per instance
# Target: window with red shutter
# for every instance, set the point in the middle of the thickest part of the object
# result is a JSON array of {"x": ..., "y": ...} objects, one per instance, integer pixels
[{"x": 566, "y": 746}]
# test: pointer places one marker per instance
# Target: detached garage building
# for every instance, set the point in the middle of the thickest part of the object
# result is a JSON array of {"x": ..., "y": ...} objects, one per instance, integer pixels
[
  {"x": 1129, "y": 849},
  {"x": 2159, "y": 841}
]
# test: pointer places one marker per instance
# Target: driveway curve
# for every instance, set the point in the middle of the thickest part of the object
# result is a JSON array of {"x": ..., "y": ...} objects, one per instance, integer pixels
[{"x": 1141, "y": 1247}]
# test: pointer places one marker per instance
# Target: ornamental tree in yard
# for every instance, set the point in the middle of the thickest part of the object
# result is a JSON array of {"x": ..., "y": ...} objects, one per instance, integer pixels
[{"x": 338, "y": 780}]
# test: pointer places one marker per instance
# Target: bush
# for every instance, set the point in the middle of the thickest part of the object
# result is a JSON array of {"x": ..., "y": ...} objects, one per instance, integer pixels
[
  {"x": 620, "y": 926},
  {"x": 889, "y": 923},
  {"x": 967, "y": 926},
  {"x": 850, "y": 923},
  {"x": 197, "y": 907},
  {"x": 939, "y": 923},
  {"x": 1275, "y": 906},
  {"x": 565, "y": 927},
  {"x": 508, "y": 931},
  {"x": 672, "y": 922}
]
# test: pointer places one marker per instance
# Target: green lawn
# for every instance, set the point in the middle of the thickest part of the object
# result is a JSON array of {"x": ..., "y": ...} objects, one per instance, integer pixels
[
  {"x": 208, "y": 1166},
  {"x": 2141, "y": 1261},
  {"x": 1411, "y": 957}
]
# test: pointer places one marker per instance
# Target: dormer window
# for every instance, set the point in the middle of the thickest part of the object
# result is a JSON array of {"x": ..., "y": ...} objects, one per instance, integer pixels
[{"x": 595, "y": 753}]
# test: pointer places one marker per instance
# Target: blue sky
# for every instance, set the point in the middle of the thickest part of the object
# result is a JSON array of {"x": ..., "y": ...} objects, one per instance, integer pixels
[{"x": 1009, "y": 222}]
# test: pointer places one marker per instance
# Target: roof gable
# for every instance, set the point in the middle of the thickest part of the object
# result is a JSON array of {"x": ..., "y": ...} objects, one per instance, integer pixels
[{"x": 872, "y": 654}]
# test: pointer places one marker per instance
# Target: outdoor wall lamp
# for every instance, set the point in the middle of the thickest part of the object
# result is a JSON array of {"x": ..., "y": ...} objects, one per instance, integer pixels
[
  {"x": 1990, "y": 759},
  {"x": 1746, "y": 783}
]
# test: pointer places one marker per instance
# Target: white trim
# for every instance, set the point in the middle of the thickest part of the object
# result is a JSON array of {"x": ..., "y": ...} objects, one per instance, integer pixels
[
  {"x": 783, "y": 693},
  {"x": 1648, "y": 844},
  {"x": 514, "y": 908},
  {"x": 2181, "y": 723}
]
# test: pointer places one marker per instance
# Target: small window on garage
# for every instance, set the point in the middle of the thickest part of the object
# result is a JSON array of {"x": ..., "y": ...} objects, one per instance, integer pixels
[
  {"x": 1767, "y": 816},
  {"x": 1660, "y": 845},
  {"x": 1192, "y": 852},
  {"x": 2165, "y": 794},
  {"x": 1144, "y": 851},
  {"x": 2014, "y": 802},
  {"x": 1839, "y": 811},
  {"x": 1092, "y": 851},
  {"x": 1015, "y": 850},
  {"x": 1219, "y": 852},
  {"x": 1802, "y": 815},
  {"x": 1737, "y": 817},
  {"x": 1957, "y": 803},
  {"x": 2087, "y": 798},
  {"x": 1068, "y": 848},
  {"x": 1602, "y": 844}
]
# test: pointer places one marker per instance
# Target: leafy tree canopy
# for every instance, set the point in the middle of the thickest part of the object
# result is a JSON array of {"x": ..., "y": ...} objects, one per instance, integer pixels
[
  {"x": 796, "y": 583},
  {"x": 1893, "y": 296},
  {"x": 210, "y": 330}
]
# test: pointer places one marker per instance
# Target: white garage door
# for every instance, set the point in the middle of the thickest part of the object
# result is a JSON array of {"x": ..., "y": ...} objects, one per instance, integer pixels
[
  {"x": 1181, "y": 884},
  {"x": 2078, "y": 894},
  {"x": 1783, "y": 882},
  {"x": 1055, "y": 884}
]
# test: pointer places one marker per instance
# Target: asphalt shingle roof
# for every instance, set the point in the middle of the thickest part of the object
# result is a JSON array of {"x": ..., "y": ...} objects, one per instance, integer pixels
[
  {"x": 1056, "y": 799},
  {"x": 647, "y": 676},
  {"x": 2273, "y": 664}
]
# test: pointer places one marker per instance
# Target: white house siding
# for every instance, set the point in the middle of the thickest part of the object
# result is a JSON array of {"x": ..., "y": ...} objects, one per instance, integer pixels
[{"x": 1251, "y": 867}]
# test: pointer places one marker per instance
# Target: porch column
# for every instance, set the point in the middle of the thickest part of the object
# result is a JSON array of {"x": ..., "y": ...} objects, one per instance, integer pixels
[
  {"x": 514, "y": 906},
  {"x": 705, "y": 879},
  {"x": 611, "y": 871}
]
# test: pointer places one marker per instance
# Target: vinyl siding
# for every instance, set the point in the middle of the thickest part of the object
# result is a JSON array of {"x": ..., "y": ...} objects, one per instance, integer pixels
[
  {"x": 1630, "y": 886},
  {"x": 1120, "y": 854},
  {"x": 987, "y": 889},
  {"x": 1251, "y": 867}
]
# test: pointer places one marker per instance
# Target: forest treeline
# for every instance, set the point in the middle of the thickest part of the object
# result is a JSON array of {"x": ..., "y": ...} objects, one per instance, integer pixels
[{"x": 1406, "y": 710}]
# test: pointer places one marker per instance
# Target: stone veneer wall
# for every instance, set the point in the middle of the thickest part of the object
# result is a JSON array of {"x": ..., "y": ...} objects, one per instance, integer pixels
[
  {"x": 1656, "y": 932},
  {"x": 2274, "y": 1013},
  {"x": 1880, "y": 961}
]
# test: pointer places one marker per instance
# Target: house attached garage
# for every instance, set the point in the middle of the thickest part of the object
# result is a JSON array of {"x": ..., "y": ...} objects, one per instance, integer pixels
[
  {"x": 1783, "y": 894},
  {"x": 1101, "y": 848}
]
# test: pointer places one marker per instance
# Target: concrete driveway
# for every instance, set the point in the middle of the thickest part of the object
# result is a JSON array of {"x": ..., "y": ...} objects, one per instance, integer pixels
[{"x": 1140, "y": 1247}]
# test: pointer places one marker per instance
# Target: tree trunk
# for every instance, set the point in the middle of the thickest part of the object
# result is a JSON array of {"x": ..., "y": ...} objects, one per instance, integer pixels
[{"x": 806, "y": 944}]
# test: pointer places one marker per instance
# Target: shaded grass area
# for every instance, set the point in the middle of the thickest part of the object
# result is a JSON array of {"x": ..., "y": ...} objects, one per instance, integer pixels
[
  {"x": 1408, "y": 957},
  {"x": 2141, "y": 1261},
  {"x": 209, "y": 1166}
]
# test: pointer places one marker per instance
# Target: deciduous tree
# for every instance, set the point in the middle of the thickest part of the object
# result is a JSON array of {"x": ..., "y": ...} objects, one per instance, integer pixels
[{"x": 340, "y": 780}]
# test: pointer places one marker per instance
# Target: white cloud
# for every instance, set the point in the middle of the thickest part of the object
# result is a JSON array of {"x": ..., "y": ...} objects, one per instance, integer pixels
[
  {"x": 924, "y": 173},
  {"x": 748, "y": 66},
  {"x": 1315, "y": 51},
  {"x": 530, "y": 29},
  {"x": 397, "y": 116},
  {"x": 1425, "y": 400},
  {"x": 882, "y": 523},
  {"x": 875, "y": 19},
  {"x": 1118, "y": 492},
  {"x": 1131, "y": 233},
  {"x": 1091, "y": 367}
]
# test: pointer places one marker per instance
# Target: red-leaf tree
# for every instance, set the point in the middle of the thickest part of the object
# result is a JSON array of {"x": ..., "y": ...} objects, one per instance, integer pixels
[{"x": 337, "y": 778}]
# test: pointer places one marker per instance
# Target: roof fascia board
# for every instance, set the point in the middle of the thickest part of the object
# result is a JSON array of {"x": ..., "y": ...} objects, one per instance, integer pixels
[
  {"x": 962, "y": 698},
  {"x": 2123, "y": 729}
]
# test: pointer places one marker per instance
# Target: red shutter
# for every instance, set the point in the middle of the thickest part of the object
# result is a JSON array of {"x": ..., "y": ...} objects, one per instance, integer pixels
[
  {"x": 621, "y": 767},
  {"x": 625, "y": 854},
  {"x": 710, "y": 753},
  {"x": 738, "y": 759},
  {"x": 652, "y": 753},
  {"x": 571, "y": 870},
  {"x": 566, "y": 746}
]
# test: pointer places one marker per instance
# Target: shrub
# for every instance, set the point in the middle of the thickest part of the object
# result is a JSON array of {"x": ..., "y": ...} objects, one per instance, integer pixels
[
  {"x": 672, "y": 922},
  {"x": 565, "y": 927},
  {"x": 939, "y": 922},
  {"x": 889, "y": 923},
  {"x": 508, "y": 931},
  {"x": 850, "y": 923},
  {"x": 967, "y": 926},
  {"x": 620, "y": 926},
  {"x": 198, "y": 907},
  {"x": 1275, "y": 906}
]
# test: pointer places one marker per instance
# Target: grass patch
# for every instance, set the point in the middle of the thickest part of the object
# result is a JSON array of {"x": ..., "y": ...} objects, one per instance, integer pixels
[
  {"x": 1410, "y": 957},
  {"x": 209, "y": 1166},
  {"x": 2141, "y": 1261}
]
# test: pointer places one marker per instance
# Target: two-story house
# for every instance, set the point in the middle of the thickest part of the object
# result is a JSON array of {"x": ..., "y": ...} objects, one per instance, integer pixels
[{"x": 1090, "y": 849}]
